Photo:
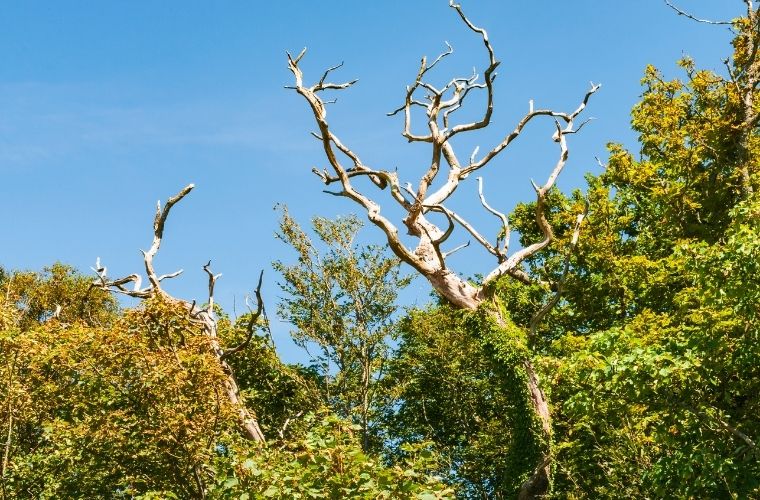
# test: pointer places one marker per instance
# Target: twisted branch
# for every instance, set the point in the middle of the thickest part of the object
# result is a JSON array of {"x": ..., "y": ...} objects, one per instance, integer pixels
[
  {"x": 252, "y": 321},
  {"x": 205, "y": 316},
  {"x": 439, "y": 104}
]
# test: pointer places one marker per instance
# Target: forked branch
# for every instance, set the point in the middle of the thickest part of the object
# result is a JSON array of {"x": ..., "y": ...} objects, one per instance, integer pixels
[
  {"x": 439, "y": 102},
  {"x": 158, "y": 234},
  {"x": 118, "y": 285},
  {"x": 252, "y": 320},
  {"x": 204, "y": 316}
]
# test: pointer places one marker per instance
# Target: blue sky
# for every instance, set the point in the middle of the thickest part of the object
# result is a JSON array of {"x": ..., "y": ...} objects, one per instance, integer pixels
[{"x": 107, "y": 106}]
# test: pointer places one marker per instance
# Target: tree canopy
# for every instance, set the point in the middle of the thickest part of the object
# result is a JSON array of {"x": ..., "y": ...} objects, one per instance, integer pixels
[{"x": 615, "y": 353}]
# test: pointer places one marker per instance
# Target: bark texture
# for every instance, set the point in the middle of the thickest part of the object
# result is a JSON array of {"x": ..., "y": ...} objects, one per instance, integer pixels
[{"x": 538, "y": 484}]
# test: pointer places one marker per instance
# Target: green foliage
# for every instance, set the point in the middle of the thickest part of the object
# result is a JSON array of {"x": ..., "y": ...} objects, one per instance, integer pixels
[
  {"x": 28, "y": 299},
  {"x": 108, "y": 412},
  {"x": 458, "y": 381},
  {"x": 136, "y": 409},
  {"x": 650, "y": 358},
  {"x": 653, "y": 375},
  {"x": 688, "y": 178},
  {"x": 342, "y": 299},
  {"x": 280, "y": 393},
  {"x": 328, "y": 462}
]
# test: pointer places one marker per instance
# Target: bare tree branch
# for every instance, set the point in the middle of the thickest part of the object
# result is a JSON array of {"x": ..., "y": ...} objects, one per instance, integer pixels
[
  {"x": 456, "y": 249},
  {"x": 285, "y": 425},
  {"x": 252, "y": 321},
  {"x": 466, "y": 225},
  {"x": 409, "y": 101},
  {"x": 560, "y": 288},
  {"x": 170, "y": 275},
  {"x": 489, "y": 75},
  {"x": 439, "y": 104},
  {"x": 158, "y": 234},
  {"x": 211, "y": 284},
  {"x": 543, "y": 224},
  {"x": 736, "y": 432},
  {"x": 205, "y": 316},
  {"x": 502, "y": 217},
  {"x": 117, "y": 285},
  {"x": 328, "y": 139},
  {"x": 693, "y": 18},
  {"x": 567, "y": 118}
]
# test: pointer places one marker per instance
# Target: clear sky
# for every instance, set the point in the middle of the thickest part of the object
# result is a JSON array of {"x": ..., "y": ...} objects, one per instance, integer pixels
[{"x": 107, "y": 106}]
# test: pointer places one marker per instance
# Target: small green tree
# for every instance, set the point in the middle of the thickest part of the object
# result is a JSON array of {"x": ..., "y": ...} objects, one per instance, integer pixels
[
  {"x": 449, "y": 385},
  {"x": 342, "y": 300},
  {"x": 91, "y": 412}
]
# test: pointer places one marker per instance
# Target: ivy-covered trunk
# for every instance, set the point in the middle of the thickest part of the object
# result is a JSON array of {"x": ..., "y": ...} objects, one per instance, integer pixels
[
  {"x": 507, "y": 343},
  {"x": 538, "y": 484}
]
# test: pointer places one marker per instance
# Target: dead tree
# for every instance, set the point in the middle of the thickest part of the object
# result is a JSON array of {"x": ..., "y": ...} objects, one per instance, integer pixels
[
  {"x": 428, "y": 257},
  {"x": 203, "y": 315}
]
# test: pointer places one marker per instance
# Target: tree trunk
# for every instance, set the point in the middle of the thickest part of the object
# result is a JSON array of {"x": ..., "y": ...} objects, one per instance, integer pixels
[
  {"x": 366, "y": 374},
  {"x": 247, "y": 421},
  {"x": 537, "y": 485}
]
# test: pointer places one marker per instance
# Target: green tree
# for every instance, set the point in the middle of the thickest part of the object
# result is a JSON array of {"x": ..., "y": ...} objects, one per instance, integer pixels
[
  {"x": 342, "y": 299},
  {"x": 652, "y": 392},
  {"x": 56, "y": 292},
  {"x": 282, "y": 393},
  {"x": 107, "y": 412},
  {"x": 447, "y": 384},
  {"x": 147, "y": 405},
  {"x": 326, "y": 461},
  {"x": 651, "y": 353}
]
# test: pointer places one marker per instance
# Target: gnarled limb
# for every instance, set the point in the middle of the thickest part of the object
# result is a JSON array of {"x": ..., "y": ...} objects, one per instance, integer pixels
[
  {"x": 205, "y": 316},
  {"x": 440, "y": 180},
  {"x": 246, "y": 419},
  {"x": 252, "y": 321},
  {"x": 438, "y": 104},
  {"x": 158, "y": 234}
]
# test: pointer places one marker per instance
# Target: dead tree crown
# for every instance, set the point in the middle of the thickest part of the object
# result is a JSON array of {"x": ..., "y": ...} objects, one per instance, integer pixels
[
  {"x": 205, "y": 315},
  {"x": 444, "y": 173}
]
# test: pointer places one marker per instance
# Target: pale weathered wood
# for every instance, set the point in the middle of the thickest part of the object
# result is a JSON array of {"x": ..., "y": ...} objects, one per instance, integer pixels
[
  {"x": 205, "y": 316},
  {"x": 428, "y": 257},
  {"x": 445, "y": 172}
]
